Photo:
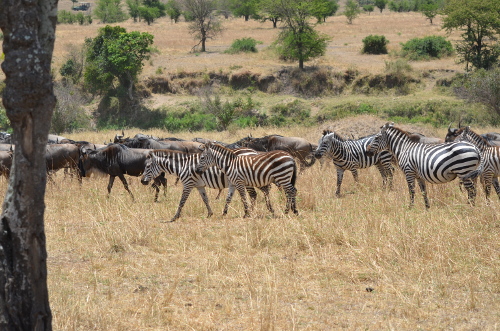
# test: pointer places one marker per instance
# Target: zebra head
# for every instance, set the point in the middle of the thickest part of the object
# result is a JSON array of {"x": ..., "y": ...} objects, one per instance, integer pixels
[
  {"x": 206, "y": 159},
  {"x": 323, "y": 144},
  {"x": 151, "y": 170},
  {"x": 379, "y": 142}
]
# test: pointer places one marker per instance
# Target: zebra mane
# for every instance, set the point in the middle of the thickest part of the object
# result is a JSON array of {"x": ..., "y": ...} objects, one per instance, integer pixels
[
  {"x": 335, "y": 135},
  {"x": 399, "y": 130},
  {"x": 480, "y": 139}
]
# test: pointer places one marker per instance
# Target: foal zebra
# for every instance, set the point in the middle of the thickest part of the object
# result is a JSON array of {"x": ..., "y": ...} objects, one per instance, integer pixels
[
  {"x": 183, "y": 165},
  {"x": 351, "y": 155},
  {"x": 490, "y": 162},
  {"x": 435, "y": 163},
  {"x": 259, "y": 170}
]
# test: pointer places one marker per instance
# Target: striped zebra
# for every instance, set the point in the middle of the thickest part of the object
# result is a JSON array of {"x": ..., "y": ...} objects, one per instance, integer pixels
[
  {"x": 434, "y": 163},
  {"x": 259, "y": 170},
  {"x": 183, "y": 165},
  {"x": 490, "y": 162},
  {"x": 351, "y": 155}
]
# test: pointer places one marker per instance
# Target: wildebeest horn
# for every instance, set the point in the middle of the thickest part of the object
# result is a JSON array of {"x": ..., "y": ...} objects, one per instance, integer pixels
[
  {"x": 459, "y": 123},
  {"x": 449, "y": 127}
]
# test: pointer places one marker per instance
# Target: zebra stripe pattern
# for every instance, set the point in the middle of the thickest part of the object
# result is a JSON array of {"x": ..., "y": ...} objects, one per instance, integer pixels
[
  {"x": 351, "y": 155},
  {"x": 490, "y": 163},
  {"x": 434, "y": 163},
  {"x": 259, "y": 170},
  {"x": 183, "y": 166}
]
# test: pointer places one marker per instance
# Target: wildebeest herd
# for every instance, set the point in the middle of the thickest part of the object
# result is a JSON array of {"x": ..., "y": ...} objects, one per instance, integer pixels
[{"x": 251, "y": 163}]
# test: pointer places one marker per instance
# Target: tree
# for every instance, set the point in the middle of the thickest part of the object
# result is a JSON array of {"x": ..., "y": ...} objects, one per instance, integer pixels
[
  {"x": 29, "y": 30},
  {"x": 115, "y": 55},
  {"x": 110, "y": 11},
  {"x": 268, "y": 11},
  {"x": 380, "y": 4},
  {"x": 173, "y": 10},
  {"x": 245, "y": 8},
  {"x": 298, "y": 40},
  {"x": 479, "y": 23},
  {"x": 368, "y": 8},
  {"x": 351, "y": 10},
  {"x": 204, "y": 25},
  {"x": 430, "y": 10},
  {"x": 482, "y": 86},
  {"x": 324, "y": 8},
  {"x": 133, "y": 9}
]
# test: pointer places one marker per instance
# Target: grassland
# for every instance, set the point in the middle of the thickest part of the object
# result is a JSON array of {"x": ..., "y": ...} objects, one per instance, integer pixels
[{"x": 364, "y": 261}]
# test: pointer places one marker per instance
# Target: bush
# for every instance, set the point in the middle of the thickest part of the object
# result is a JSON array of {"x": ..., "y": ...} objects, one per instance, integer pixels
[
  {"x": 246, "y": 45},
  {"x": 295, "y": 112},
  {"x": 69, "y": 115},
  {"x": 375, "y": 44},
  {"x": 482, "y": 86},
  {"x": 427, "y": 47}
]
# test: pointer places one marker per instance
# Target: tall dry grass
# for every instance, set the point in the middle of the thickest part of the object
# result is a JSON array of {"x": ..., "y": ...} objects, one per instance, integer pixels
[{"x": 113, "y": 264}]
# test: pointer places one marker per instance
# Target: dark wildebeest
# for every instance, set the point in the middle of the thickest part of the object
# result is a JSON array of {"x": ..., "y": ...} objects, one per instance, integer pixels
[
  {"x": 5, "y": 163},
  {"x": 150, "y": 143},
  {"x": 298, "y": 147},
  {"x": 420, "y": 138},
  {"x": 118, "y": 160},
  {"x": 492, "y": 138},
  {"x": 59, "y": 156}
]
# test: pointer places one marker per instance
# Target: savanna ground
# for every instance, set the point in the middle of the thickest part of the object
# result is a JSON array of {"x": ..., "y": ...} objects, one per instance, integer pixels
[{"x": 362, "y": 261}]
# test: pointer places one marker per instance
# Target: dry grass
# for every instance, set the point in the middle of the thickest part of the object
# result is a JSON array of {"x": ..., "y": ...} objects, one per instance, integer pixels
[{"x": 113, "y": 264}]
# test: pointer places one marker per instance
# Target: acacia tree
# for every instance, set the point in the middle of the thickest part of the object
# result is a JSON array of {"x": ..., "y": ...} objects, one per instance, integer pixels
[
  {"x": 380, "y": 4},
  {"x": 479, "y": 22},
  {"x": 204, "y": 24},
  {"x": 299, "y": 40},
  {"x": 29, "y": 33},
  {"x": 351, "y": 11},
  {"x": 430, "y": 10}
]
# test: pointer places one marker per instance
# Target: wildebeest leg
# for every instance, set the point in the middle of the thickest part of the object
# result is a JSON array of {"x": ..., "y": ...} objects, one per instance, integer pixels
[
  {"x": 185, "y": 194},
  {"x": 265, "y": 190},
  {"x": 160, "y": 181},
  {"x": 125, "y": 184},
  {"x": 421, "y": 183},
  {"x": 110, "y": 184},
  {"x": 204, "y": 197}
]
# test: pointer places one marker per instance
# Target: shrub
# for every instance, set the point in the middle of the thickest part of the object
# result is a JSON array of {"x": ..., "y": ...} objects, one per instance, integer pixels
[
  {"x": 427, "y": 47},
  {"x": 295, "y": 112},
  {"x": 482, "y": 86},
  {"x": 375, "y": 44},
  {"x": 246, "y": 45}
]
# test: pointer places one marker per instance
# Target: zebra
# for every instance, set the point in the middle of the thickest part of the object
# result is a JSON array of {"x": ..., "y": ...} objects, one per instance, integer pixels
[
  {"x": 434, "y": 163},
  {"x": 258, "y": 170},
  {"x": 351, "y": 155},
  {"x": 182, "y": 165},
  {"x": 490, "y": 159}
]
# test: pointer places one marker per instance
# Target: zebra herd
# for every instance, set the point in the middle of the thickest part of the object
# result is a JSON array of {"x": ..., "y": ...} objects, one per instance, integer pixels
[{"x": 244, "y": 169}]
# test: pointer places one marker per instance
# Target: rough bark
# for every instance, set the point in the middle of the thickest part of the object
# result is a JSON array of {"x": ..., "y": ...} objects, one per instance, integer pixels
[{"x": 29, "y": 32}]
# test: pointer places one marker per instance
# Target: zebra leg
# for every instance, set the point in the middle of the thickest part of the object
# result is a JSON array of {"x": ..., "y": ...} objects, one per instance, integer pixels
[
  {"x": 243, "y": 194},
  {"x": 340, "y": 176},
  {"x": 157, "y": 190},
  {"x": 487, "y": 179},
  {"x": 411, "y": 188},
  {"x": 471, "y": 190},
  {"x": 253, "y": 195},
  {"x": 423, "y": 189},
  {"x": 185, "y": 194},
  {"x": 291, "y": 193},
  {"x": 204, "y": 197},
  {"x": 383, "y": 173},
  {"x": 265, "y": 190},
  {"x": 229, "y": 197}
]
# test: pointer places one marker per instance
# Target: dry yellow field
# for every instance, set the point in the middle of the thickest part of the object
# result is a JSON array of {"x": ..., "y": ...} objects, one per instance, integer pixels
[{"x": 364, "y": 261}]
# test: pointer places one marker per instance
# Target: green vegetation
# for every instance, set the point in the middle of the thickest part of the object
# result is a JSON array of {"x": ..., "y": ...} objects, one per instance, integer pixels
[
  {"x": 351, "y": 11},
  {"x": 375, "y": 44},
  {"x": 204, "y": 24},
  {"x": 426, "y": 48},
  {"x": 67, "y": 17},
  {"x": 110, "y": 11},
  {"x": 247, "y": 45},
  {"x": 479, "y": 23},
  {"x": 482, "y": 86}
]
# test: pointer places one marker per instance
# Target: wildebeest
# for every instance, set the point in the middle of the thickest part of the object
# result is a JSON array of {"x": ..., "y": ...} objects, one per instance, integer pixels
[
  {"x": 298, "y": 147},
  {"x": 145, "y": 142},
  {"x": 59, "y": 156},
  {"x": 420, "y": 138},
  {"x": 492, "y": 138},
  {"x": 117, "y": 160},
  {"x": 5, "y": 163}
]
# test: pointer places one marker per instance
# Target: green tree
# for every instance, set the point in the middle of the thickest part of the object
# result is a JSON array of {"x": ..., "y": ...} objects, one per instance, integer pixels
[
  {"x": 173, "y": 10},
  {"x": 204, "y": 24},
  {"x": 380, "y": 4},
  {"x": 368, "y": 8},
  {"x": 133, "y": 9},
  {"x": 245, "y": 8},
  {"x": 299, "y": 40},
  {"x": 110, "y": 11},
  {"x": 479, "y": 24},
  {"x": 430, "y": 10},
  {"x": 351, "y": 10},
  {"x": 324, "y": 8},
  {"x": 115, "y": 56},
  {"x": 268, "y": 11}
]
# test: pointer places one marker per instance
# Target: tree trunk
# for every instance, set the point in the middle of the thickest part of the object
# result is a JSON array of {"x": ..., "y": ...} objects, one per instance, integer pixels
[{"x": 29, "y": 33}]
